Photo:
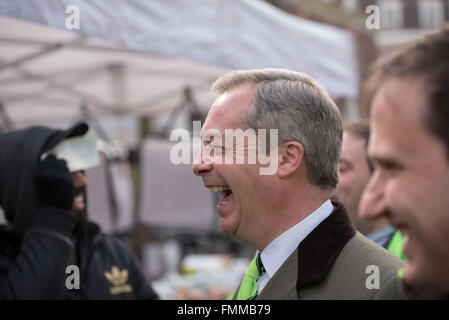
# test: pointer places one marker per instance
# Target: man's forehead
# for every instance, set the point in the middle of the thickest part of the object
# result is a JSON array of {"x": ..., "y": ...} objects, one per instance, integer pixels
[
  {"x": 403, "y": 98},
  {"x": 238, "y": 98},
  {"x": 230, "y": 108},
  {"x": 352, "y": 140},
  {"x": 397, "y": 130},
  {"x": 390, "y": 121},
  {"x": 353, "y": 148},
  {"x": 379, "y": 147}
]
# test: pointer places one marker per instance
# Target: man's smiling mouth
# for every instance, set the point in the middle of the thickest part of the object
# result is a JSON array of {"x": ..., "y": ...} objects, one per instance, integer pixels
[{"x": 225, "y": 193}]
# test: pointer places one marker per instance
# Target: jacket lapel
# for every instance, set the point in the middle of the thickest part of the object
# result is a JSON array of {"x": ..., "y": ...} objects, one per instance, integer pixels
[
  {"x": 311, "y": 261},
  {"x": 282, "y": 286},
  {"x": 318, "y": 251}
]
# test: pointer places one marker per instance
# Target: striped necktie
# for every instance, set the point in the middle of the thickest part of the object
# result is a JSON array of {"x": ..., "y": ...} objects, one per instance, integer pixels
[{"x": 248, "y": 287}]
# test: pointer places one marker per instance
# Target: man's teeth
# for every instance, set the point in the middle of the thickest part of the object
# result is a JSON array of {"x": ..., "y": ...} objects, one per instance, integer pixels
[{"x": 216, "y": 189}]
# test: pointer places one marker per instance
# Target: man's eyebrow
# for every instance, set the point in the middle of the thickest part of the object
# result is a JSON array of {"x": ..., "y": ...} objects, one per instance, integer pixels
[
  {"x": 384, "y": 160},
  {"x": 374, "y": 157},
  {"x": 204, "y": 135},
  {"x": 205, "y": 141},
  {"x": 345, "y": 161}
]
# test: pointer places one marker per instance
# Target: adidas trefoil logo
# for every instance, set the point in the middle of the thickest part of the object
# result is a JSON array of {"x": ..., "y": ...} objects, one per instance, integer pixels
[{"x": 118, "y": 279}]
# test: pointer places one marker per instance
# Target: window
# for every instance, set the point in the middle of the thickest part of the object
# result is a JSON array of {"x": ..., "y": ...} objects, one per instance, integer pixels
[
  {"x": 430, "y": 13},
  {"x": 391, "y": 14},
  {"x": 350, "y": 5}
]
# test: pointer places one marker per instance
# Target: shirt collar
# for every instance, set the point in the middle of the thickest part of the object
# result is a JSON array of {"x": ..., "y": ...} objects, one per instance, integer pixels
[{"x": 278, "y": 250}]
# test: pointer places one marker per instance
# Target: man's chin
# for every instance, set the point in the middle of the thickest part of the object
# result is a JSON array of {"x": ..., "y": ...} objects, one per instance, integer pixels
[
  {"x": 416, "y": 275},
  {"x": 227, "y": 229}
]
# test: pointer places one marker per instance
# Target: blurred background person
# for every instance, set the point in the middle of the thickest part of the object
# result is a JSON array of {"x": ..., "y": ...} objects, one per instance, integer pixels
[
  {"x": 355, "y": 170},
  {"x": 409, "y": 146},
  {"x": 36, "y": 244},
  {"x": 49, "y": 230}
]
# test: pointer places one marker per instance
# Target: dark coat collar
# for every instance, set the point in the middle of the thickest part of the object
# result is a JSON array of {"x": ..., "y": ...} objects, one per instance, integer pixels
[{"x": 318, "y": 251}]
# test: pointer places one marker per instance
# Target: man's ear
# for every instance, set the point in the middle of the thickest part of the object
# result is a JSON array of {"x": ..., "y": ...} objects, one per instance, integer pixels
[{"x": 291, "y": 155}]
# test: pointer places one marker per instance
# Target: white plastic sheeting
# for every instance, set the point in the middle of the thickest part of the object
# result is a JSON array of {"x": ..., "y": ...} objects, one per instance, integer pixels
[
  {"x": 231, "y": 33},
  {"x": 47, "y": 73}
]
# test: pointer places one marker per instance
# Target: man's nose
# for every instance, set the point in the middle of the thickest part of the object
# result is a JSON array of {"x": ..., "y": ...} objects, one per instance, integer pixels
[
  {"x": 201, "y": 167},
  {"x": 373, "y": 203}
]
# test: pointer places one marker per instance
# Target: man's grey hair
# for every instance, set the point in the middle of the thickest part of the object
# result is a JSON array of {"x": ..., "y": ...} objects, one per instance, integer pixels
[{"x": 300, "y": 109}]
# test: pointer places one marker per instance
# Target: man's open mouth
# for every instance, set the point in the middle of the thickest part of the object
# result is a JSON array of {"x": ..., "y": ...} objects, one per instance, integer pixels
[{"x": 224, "y": 191}]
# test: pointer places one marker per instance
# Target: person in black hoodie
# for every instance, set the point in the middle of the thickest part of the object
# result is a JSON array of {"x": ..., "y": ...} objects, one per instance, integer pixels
[{"x": 48, "y": 232}]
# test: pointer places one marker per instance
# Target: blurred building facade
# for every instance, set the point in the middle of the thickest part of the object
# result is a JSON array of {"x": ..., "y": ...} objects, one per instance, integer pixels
[{"x": 400, "y": 21}]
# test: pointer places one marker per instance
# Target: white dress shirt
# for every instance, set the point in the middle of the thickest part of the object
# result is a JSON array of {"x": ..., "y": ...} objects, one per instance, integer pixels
[{"x": 278, "y": 250}]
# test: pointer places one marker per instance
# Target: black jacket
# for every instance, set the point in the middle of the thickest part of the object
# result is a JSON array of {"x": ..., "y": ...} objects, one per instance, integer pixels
[
  {"x": 39, "y": 246},
  {"x": 108, "y": 269}
]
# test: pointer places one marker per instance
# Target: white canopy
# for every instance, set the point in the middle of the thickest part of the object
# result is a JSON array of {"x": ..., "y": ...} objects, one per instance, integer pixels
[
  {"x": 45, "y": 74},
  {"x": 159, "y": 49}
]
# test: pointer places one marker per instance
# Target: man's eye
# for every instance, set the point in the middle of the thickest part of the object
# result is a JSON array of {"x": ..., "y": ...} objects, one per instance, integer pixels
[
  {"x": 344, "y": 166},
  {"x": 342, "y": 169},
  {"x": 216, "y": 146},
  {"x": 389, "y": 166}
]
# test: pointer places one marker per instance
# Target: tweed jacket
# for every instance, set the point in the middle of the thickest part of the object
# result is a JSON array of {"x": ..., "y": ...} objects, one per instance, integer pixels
[{"x": 336, "y": 262}]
